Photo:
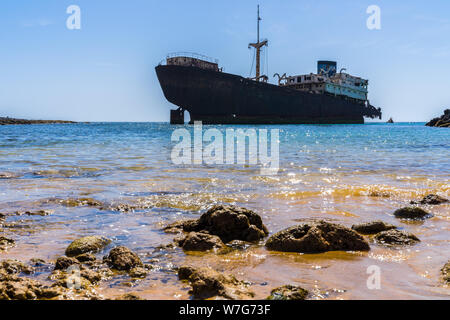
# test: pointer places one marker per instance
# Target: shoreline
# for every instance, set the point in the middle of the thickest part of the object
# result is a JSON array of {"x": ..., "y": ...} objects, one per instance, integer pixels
[{"x": 12, "y": 121}]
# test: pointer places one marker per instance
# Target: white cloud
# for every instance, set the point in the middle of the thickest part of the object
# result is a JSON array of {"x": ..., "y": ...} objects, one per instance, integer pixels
[{"x": 37, "y": 23}]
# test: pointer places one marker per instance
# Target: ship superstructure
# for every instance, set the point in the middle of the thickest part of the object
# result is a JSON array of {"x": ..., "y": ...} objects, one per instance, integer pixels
[{"x": 328, "y": 81}]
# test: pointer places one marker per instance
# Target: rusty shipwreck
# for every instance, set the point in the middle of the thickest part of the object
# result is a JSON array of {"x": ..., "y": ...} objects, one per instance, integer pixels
[{"x": 196, "y": 84}]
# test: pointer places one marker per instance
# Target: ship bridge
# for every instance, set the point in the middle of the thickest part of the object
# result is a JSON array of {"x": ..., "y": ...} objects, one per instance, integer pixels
[{"x": 328, "y": 81}]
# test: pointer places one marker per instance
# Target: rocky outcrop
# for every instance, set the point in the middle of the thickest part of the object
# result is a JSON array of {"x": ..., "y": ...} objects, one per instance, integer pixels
[
  {"x": 441, "y": 122},
  {"x": 86, "y": 244},
  {"x": 445, "y": 272},
  {"x": 396, "y": 238},
  {"x": 390, "y": 120},
  {"x": 207, "y": 283},
  {"x": 138, "y": 272},
  {"x": 13, "y": 287},
  {"x": 41, "y": 213},
  {"x": 412, "y": 213},
  {"x": 198, "y": 241},
  {"x": 6, "y": 243},
  {"x": 86, "y": 258},
  {"x": 129, "y": 296},
  {"x": 288, "y": 292},
  {"x": 316, "y": 238},
  {"x": 62, "y": 263},
  {"x": 227, "y": 222},
  {"x": 373, "y": 227},
  {"x": 79, "y": 202},
  {"x": 122, "y": 258},
  {"x": 432, "y": 199},
  {"x": 14, "y": 267}
]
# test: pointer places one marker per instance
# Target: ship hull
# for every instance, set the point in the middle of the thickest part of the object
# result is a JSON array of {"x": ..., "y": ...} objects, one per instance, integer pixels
[{"x": 222, "y": 98}]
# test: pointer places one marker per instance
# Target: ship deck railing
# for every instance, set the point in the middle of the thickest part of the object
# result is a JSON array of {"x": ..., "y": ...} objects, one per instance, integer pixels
[{"x": 189, "y": 55}]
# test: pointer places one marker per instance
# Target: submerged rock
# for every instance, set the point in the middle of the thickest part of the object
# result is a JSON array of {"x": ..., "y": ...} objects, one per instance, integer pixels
[
  {"x": 78, "y": 276},
  {"x": 198, "y": 241},
  {"x": 373, "y": 227},
  {"x": 445, "y": 271},
  {"x": 122, "y": 258},
  {"x": 228, "y": 223},
  {"x": 62, "y": 263},
  {"x": 396, "y": 237},
  {"x": 288, "y": 292},
  {"x": 441, "y": 122},
  {"x": 41, "y": 213},
  {"x": 14, "y": 266},
  {"x": 86, "y": 244},
  {"x": 413, "y": 213},
  {"x": 432, "y": 199},
  {"x": 79, "y": 202},
  {"x": 6, "y": 243},
  {"x": 13, "y": 287},
  {"x": 129, "y": 296},
  {"x": 180, "y": 226},
  {"x": 207, "y": 283},
  {"x": 138, "y": 272},
  {"x": 86, "y": 258},
  {"x": 8, "y": 175},
  {"x": 37, "y": 262},
  {"x": 316, "y": 238}
]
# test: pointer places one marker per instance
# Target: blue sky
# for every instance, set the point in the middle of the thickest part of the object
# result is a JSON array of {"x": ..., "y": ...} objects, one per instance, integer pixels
[{"x": 105, "y": 71}]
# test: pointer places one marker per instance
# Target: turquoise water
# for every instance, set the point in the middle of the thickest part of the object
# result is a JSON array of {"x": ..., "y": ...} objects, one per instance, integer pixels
[{"x": 343, "y": 173}]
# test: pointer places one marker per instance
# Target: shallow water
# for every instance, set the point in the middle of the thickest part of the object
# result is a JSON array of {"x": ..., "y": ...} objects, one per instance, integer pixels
[{"x": 342, "y": 173}]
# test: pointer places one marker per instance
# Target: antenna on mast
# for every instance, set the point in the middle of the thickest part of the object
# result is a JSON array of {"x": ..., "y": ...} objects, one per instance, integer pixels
[{"x": 258, "y": 45}]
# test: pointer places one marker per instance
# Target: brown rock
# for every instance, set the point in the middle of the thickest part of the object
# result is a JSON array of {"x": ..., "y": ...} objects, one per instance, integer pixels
[
  {"x": 14, "y": 266},
  {"x": 86, "y": 257},
  {"x": 433, "y": 199},
  {"x": 207, "y": 283},
  {"x": 288, "y": 292},
  {"x": 13, "y": 287},
  {"x": 373, "y": 227},
  {"x": 180, "y": 226},
  {"x": 197, "y": 241},
  {"x": 228, "y": 223},
  {"x": 122, "y": 258},
  {"x": 62, "y": 263},
  {"x": 85, "y": 245},
  {"x": 396, "y": 237},
  {"x": 80, "y": 202},
  {"x": 41, "y": 213},
  {"x": 316, "y": 238},
  {"x": 6, "y": 243},
  {"x": 129, "y": 296},
  {"x": 445, "y": 271},
  {"x": 138, "y": 272},
  {"x": 413, "y": 213}
]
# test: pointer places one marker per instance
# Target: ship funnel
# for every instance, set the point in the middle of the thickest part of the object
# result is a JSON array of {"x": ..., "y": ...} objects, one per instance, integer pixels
[{"x": 327, "y": 68}]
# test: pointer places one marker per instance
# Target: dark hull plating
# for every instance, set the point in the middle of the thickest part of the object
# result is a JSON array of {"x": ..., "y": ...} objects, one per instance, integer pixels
[{"x": 223, "y": 98}]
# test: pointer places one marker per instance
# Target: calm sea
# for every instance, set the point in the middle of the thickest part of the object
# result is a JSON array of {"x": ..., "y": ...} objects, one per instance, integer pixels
[{"x": 342, "y": 173}]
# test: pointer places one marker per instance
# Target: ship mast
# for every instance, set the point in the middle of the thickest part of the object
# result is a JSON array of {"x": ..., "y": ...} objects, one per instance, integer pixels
[{"x": 258, "y": 45}]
